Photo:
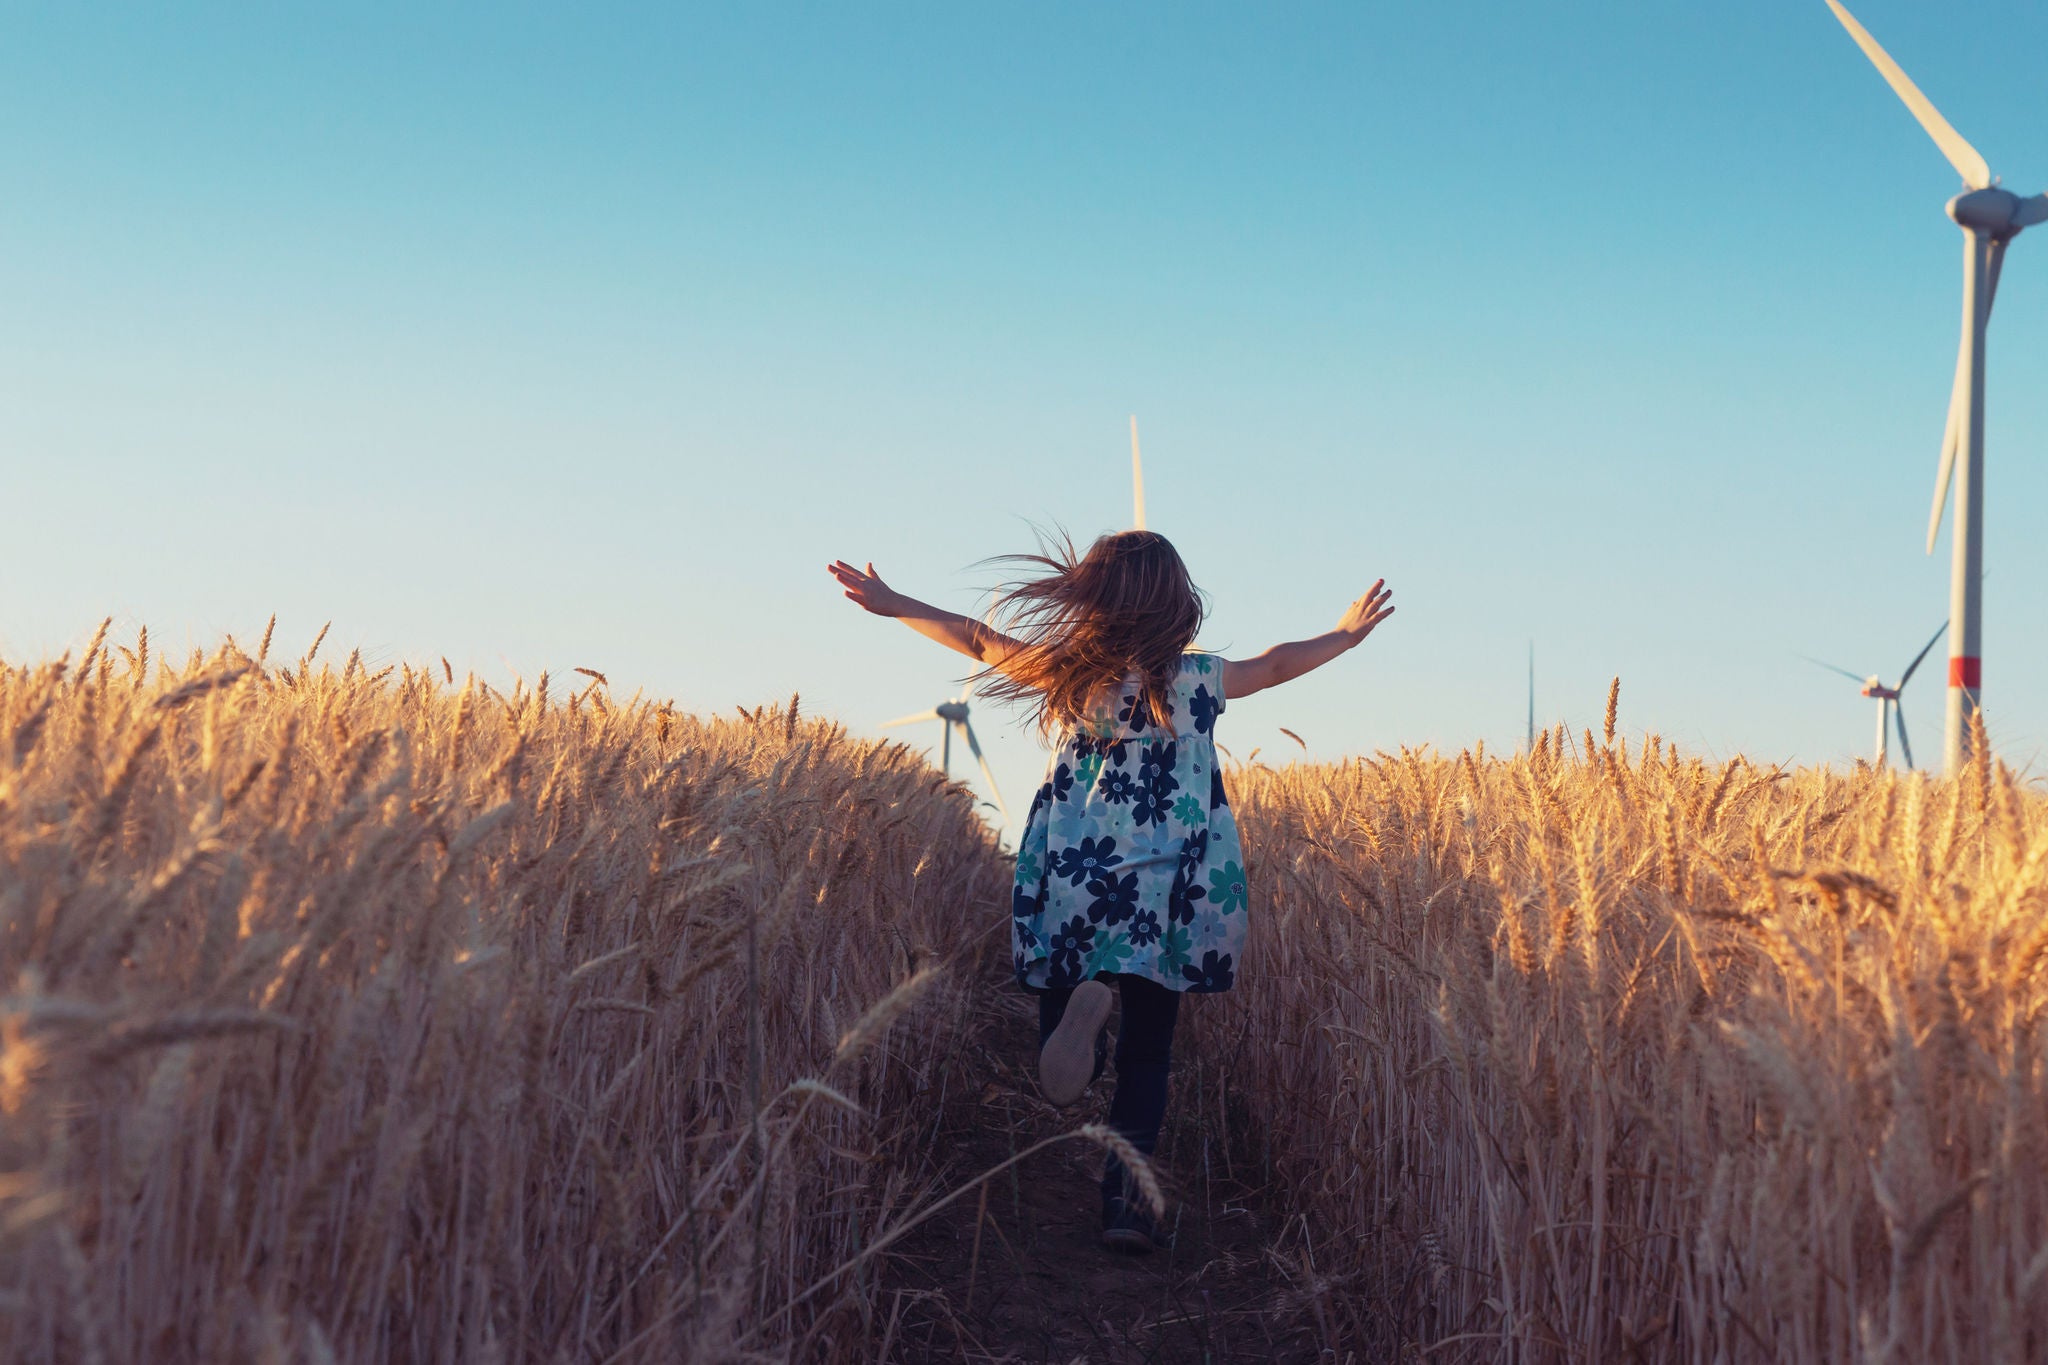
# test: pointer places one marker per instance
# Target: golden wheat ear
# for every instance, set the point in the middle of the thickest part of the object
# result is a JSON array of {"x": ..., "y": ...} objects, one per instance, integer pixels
[
  {"x": 353, "y": 966},
  {"x": 1591, "y": 965}
]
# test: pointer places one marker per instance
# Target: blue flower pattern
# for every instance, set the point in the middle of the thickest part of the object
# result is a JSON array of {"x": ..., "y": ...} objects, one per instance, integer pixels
[
  {"x": 1024, "y": 906},
  {"x": 1089, "y": 858},
  {"x": 1137, "y": 713},
  {"x": 1181, "y": 898},
  {"x": 1214, "y": 973},
  {"x": 1156, "y": 785},
  {"x": 1115, "y": 898},
  {"x": 1070, "y": 943},
  {"x": 1122, "y": 858}
]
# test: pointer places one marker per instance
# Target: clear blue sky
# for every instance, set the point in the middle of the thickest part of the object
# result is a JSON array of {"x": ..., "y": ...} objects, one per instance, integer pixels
[{"x": 539, "y": 338}]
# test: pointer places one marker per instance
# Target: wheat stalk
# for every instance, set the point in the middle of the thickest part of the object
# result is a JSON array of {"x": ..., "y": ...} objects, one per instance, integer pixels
[{"x": 333, "y": 1028}]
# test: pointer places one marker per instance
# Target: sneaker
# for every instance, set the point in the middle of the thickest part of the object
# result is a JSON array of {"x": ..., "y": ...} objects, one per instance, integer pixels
[
  {"x": 1067, "y": 1062},
  {"x": 1128, "y": 1228}
]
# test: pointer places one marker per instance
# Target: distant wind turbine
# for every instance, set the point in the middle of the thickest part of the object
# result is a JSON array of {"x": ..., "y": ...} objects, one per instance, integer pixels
[
  {"x": 1887, "y": 697},
  {"x": 1990, "y": 218},
  {"x": 954, "y": 716},
  {"x": 1137, "y": 481}
]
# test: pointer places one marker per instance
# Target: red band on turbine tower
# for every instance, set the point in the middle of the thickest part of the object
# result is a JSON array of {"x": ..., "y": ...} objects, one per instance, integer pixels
[{"x": 1966, "y": 671}]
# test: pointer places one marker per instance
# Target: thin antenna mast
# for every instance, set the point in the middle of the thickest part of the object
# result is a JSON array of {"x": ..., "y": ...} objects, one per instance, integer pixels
[{"x": 1532, "y": 696}]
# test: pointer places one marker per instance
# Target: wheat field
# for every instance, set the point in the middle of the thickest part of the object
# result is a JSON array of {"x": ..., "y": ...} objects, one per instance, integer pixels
[
  {"x": 1599, "y": 1054},
  {"x": 373, "y": 1017},
  {"x": 386, "y": 1017}
]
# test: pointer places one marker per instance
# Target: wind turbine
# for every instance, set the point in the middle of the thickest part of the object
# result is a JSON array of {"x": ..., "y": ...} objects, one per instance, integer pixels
[
  {"x": 1887, "y": 697},
  {"x": 1990, "y": 217},
  {"x": 954, "y": 716},
  {"x": 1137, "y": 481}
]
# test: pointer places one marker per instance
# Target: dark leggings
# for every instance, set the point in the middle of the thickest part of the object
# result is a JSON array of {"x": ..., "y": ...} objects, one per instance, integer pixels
[{"x": 1144, "y": 1052}]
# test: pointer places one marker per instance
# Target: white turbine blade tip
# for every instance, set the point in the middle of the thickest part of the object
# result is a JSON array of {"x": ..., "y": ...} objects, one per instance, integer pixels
[
  {"x": 1941, "y": 483},
  {"x": 1965, "y": 158},
  {"x": 910, "y": 720},
  {"x": 987, "y": 775},
  {"x": 1137, "y": 480},
  {"x": 1951, "y": 437}
]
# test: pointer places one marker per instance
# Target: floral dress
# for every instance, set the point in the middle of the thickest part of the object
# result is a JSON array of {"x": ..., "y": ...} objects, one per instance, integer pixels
[{"x": 1129, "y": 861}]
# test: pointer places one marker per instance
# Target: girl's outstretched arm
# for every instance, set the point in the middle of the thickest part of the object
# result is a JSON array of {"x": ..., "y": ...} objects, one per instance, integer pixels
[
  {"x": 956, "y": 632},
  {"x": 1284, "y": 662}
]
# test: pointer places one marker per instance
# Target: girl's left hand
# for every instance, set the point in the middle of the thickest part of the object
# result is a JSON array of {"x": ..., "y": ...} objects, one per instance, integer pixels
[
  {"x": 867, "y": 590},
  {"x": 1368, "y": 611}
]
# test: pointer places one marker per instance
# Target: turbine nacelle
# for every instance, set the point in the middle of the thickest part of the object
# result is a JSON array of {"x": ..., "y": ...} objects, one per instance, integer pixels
[
  {"x": 955, "y": 711},
  {"x": 1992, "y": 212},
  {"x": 1873, "y": 688}
]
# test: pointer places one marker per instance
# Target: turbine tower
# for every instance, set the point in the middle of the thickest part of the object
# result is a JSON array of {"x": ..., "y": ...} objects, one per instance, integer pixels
[
  {"x": 1887, "y": 698},
  {"x": 953, "y": 715},
  {"x": 1990, "y": 217}
]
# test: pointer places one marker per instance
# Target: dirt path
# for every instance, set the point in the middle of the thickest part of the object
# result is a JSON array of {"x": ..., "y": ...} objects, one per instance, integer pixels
[{"x": 1020, "y": 1276}]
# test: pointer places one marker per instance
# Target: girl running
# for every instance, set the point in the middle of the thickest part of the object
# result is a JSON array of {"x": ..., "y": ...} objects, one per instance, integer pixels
[{"x": 1129, "y": 874}]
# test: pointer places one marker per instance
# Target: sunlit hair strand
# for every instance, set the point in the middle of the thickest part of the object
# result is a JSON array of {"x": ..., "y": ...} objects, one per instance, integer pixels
[{"x": 1125, "y": 610}]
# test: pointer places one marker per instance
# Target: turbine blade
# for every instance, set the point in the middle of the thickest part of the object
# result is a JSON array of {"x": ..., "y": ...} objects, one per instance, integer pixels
[
  {"x": 1961, "y": 155},
  {"x": 1905, "y": 745},
  {"x": 910, "y": 720},
  {"x": 1951, "y": 437},
  {"x": 974, "y": 747},
  {"x": 1857, "y": 678},
  {"x": 1137, "y": 481},
  {"x": 1959, "y": 396},
  {"x": 1907, "y": 676},
  {"x": 2031, "y": 211}
]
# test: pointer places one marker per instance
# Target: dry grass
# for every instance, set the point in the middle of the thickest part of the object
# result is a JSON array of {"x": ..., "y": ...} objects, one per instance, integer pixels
[
  {"x": 383, "y": 1018},
  {"x": 1598, "y": 1055}
]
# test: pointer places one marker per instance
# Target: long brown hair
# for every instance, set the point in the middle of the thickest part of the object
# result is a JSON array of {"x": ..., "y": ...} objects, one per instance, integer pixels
[{"x": 1089, "y": 622}]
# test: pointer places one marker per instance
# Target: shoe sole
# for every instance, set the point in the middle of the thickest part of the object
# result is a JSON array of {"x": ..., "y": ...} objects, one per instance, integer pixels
[
  {"x": 1067, "y": 1061},
  {"x": 1128, "y": 1241}
]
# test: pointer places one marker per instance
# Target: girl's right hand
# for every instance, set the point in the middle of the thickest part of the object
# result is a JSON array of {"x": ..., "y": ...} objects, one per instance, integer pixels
[
  {"x": 867, "y": 590},
  {"x": 1368, "y": 611}
]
